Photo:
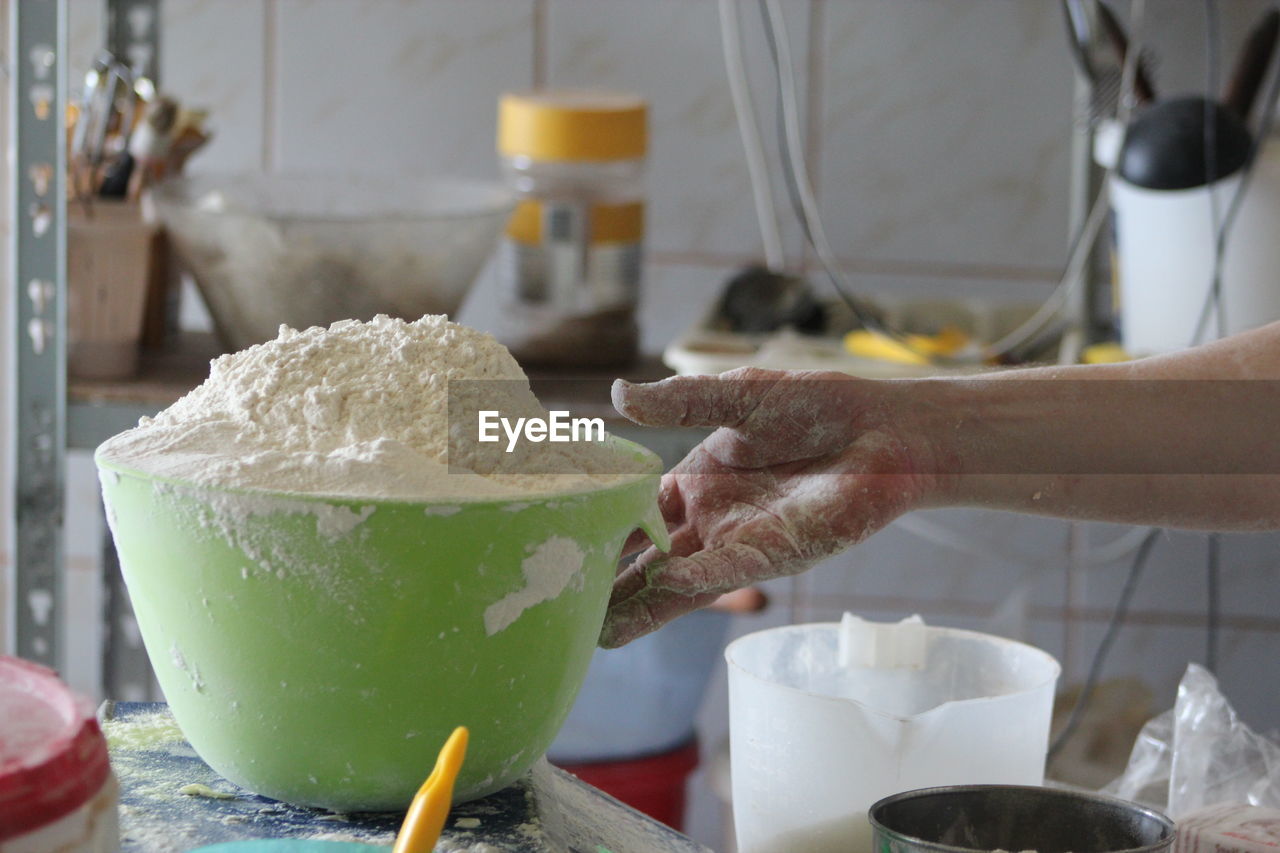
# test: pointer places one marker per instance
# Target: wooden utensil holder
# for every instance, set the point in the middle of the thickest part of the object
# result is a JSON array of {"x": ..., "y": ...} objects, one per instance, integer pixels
[{"x": 115, "y": 266}]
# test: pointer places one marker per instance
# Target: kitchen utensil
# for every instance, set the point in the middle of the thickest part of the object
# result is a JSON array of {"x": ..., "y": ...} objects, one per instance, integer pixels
[
  {"x": 115, "y": 178},
  {"x": 1101, "y": 60},
  {"x": 430, "y": 807},
  {"x": 1252, "y": 64},
  {"x": 321, "y": 667},
  {"x": 1010, "y": 817},
  {"x": 1144, "y": 91},
  {"x": 1102, "y": 74},
  {"x": 150, "y": 145},
  {"x": 826, "y": 719},
  {"x": 422, "y": 824},
  {"x": 308, "y": 250},
  {"x": 1079, "y": 38},
  {"x": 108, "y": 103}
]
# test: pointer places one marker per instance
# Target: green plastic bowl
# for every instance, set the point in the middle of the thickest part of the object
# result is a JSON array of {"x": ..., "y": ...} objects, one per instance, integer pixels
[{"x": 320, "y": 650}]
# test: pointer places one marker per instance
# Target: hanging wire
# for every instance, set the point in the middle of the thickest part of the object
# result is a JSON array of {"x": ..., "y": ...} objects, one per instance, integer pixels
[
  {"x": 806, "y": 210},
  {"x": 796, "y": 171},
  {"x": 744, "y": 109},
  {"x": 1118, "y": 617},
  {"x": 1213, "y": 296},
  {"x": 1214, "y": 603}
]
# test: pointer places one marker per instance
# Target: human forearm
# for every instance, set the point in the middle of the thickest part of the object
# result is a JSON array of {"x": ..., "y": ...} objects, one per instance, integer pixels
[
  {"x": 1185, "y": 440},
  {"x": 1213, "y": 502}
]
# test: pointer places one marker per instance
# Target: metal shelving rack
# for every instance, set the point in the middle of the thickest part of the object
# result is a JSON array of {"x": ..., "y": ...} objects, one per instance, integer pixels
[
  {"x": 38, "y": 98},
  {"x": 44, "y": 419}
]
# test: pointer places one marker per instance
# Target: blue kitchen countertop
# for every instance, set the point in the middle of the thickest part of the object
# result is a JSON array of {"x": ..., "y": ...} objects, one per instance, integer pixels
[{"x": 547, "y": 810}]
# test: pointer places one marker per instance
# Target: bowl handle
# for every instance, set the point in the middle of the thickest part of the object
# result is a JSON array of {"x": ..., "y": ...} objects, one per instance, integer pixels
[{"x": 655, "y": 527}]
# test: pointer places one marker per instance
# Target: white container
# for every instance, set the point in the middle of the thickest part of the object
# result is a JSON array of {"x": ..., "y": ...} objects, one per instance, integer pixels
[
  {"x": 1165, "y": 245},
  {"x": 1165, "y": 264},
  {"x": 826, "y": 719},
  {"x": 57, "y": 791}
]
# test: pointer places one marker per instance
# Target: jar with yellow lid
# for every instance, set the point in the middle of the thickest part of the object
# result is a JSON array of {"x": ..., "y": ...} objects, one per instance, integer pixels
[{"x": 570, "y": 260}]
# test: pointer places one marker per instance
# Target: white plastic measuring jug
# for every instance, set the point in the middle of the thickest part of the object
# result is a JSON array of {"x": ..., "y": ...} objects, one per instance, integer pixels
[{"x": 826, "y": 719}]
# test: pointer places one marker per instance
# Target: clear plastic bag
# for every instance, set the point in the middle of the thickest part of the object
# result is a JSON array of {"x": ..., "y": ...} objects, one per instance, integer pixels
[{"x": 1200, "y": 754}]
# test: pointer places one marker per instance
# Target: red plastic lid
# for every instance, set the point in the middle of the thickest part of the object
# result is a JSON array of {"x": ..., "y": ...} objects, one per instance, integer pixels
[{"x": 53, "y": 757}]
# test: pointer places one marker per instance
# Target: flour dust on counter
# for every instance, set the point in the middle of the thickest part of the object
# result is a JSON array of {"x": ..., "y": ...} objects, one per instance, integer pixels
[{"x": 546, "y": 811}]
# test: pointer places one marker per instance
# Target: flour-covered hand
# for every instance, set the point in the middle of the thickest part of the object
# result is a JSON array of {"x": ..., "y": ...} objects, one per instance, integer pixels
[{"x": 803, "y": 465}]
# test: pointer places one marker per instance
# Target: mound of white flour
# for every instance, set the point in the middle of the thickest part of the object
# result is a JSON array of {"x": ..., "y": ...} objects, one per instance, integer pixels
[{"x": 361, "y": 410}]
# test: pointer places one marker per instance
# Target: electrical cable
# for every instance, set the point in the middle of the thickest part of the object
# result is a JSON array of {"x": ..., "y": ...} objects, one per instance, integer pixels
[
  {"x": 1218, "y": 233},
  {"x": 1115, "y": 549},
  {"x": 795, "y": 170},
  {"x": 1127, "y": 99},
  {"x": 744, "y": 109},
  {"x": 1263, "y": 131},
  {"x": 1082, "y": 242},
  {"x": 1210, "y": 131},
  {"x": 806, "y": 209},
  {"x": 1108, "y": 639},
  {"x": 1214, "y": 603},
  {"x": 1212, "y": 299},
  {"x": 1072, "y": 276}
]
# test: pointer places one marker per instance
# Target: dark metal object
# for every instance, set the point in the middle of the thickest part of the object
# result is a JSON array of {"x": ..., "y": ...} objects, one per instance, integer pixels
[
  {"x": 1079, "y": 37},
  {"x": 1143, "y": 89},
  {"x": 1099, "y": 44},
  {"x": 762, "y": 300},
  {"x": 1251, "y": 67},
  {"x": 1015, "y": 817}
]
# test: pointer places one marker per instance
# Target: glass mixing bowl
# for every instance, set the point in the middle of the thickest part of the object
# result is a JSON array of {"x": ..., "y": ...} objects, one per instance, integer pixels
[{"x": 309, "y": 249}]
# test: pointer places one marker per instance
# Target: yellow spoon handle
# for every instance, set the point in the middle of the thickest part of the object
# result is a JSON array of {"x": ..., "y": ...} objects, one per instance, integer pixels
[{"x": 430, "y": 808}]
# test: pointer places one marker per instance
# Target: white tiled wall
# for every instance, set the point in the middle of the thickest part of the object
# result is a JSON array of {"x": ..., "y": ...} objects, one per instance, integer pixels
[
  {"x": 409, "y": 88},
  {"x": 939, "y": 153},
  {"x": 216, "y": 52},
  {"x": 959, "y": 116},
  {"x": 670, "y": 51}
]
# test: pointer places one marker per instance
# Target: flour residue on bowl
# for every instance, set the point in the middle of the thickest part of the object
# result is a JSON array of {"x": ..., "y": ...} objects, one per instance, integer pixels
[{"x": 554, "y": 566}]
